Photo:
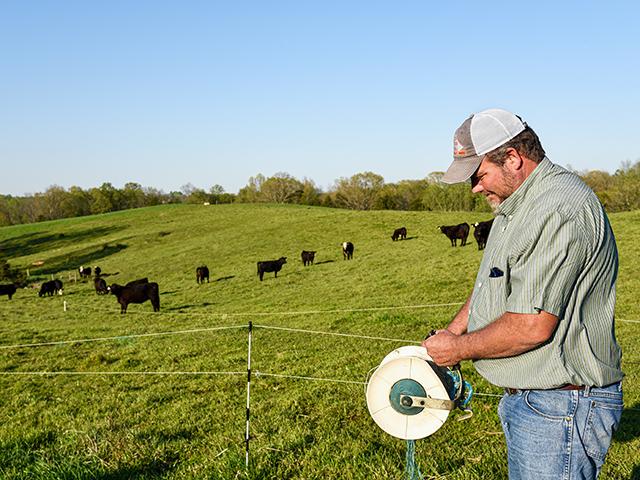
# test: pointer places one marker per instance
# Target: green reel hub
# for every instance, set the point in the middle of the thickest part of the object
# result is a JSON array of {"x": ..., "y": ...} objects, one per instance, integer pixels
[{"x": 400, "y": 393}]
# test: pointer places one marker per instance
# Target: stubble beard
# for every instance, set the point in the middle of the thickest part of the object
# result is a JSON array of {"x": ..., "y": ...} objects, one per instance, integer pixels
[{"x": 510, "y": 185}]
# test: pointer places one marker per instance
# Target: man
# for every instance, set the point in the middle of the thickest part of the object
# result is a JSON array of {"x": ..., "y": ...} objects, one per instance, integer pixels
[{"x": 540, "y": 319}]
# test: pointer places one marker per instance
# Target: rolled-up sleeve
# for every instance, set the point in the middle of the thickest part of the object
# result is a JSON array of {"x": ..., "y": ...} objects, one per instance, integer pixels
[{"x": 545, "y": 271}]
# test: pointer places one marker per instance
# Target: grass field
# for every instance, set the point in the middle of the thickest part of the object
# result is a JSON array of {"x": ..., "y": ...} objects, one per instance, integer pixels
[{"x": 147, "y": 406}]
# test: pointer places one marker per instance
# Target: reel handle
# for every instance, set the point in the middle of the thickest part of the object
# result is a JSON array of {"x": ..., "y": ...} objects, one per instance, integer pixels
[{"x": 430, "y": 334}]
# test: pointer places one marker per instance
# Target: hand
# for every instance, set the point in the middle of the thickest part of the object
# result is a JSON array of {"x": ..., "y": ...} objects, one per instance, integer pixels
[{"x": 442, "y": 347}]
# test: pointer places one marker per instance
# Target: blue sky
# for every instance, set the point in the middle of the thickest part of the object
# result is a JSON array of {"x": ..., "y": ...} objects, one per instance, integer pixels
[{"x": 169, "y": 93}]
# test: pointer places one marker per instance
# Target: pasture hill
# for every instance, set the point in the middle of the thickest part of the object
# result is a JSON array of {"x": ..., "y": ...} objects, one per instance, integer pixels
[{"x": 90, "y": 393}]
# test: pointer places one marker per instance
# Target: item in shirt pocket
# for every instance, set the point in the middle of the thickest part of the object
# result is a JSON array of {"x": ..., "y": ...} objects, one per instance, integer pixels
[{"x": 495, "y": 272}]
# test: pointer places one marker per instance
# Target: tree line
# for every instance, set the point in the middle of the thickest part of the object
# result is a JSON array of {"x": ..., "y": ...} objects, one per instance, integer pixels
[{"x": 619, "y": 191}]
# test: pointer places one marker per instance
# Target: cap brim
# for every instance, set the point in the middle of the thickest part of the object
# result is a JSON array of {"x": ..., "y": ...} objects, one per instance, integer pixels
[{"x": 461, "y": 169}]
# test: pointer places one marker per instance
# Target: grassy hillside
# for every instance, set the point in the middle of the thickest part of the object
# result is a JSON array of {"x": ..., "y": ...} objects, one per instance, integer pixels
[{"x": 107, "y": 419}]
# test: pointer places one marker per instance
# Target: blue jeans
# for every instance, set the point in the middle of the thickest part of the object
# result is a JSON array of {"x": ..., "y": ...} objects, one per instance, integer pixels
[{"x": 559, "y": 434}]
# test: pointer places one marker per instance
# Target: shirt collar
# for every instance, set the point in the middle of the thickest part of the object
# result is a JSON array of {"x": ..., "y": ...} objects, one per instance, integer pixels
[{"x": 517, "y": 198}]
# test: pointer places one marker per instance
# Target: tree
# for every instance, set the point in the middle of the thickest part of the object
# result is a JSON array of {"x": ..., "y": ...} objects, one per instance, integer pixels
[
  {"x": 310, "y": 193},
  {"x": 281, "y": 188},
  {"x": 175, "y": 197},
  {"x": 359, "y": 191},
  {"x": 55, "y": 201},
  {"x": 439, "y": 196},
  {"x": 218, "y": 195},
  {"x": 104, "y": 199},
  {"x": 624, "y": 194},
  {"x": 389, "y": 198},
  {"x": 153, "y": 196},
  {"x": 79, "y": 201},
  {"x": 5, "y": 210},
  {"x": 194, "y": 195},
  {"x": 250, "y": 193},
  {"x": 132, "y": 195}
]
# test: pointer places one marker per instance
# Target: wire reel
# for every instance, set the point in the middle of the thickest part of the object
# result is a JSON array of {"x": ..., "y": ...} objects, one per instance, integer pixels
[{"x": 410, "y": 397}]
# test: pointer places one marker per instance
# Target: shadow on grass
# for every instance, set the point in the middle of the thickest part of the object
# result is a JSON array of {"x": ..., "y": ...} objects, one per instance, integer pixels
[
  {"x": 35, "y": 242},
  {"x": 177, "y": 308},
  {"x": 225, "y": 278},
  {"x": 155, "y": 468},
  {"x": 629, "y": 428},
  {"x": 72, "y": 260},
  {"x": 324, "y": 261}
]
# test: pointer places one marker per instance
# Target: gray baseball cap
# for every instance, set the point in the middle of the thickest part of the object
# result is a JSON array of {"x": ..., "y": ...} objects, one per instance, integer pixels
[{"x": 478, "y": 135}]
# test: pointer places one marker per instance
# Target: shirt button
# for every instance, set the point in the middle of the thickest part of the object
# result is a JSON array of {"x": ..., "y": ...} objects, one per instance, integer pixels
[{"x": 480, "y": 284}]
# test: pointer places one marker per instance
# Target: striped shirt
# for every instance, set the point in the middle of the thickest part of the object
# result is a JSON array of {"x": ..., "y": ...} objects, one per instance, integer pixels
[{"x": 551, "y": 248}]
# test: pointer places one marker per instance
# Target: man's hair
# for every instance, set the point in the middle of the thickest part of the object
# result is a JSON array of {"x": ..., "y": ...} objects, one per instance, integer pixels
[{"x": 526, "y": 143}]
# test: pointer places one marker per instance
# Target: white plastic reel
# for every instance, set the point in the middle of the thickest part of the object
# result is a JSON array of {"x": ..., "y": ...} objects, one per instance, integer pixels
[{"x": 398, "y": 388}]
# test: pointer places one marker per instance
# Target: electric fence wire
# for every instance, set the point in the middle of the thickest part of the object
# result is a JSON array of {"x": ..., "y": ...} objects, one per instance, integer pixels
[
  {"x": 82, "y": 308},
  {"x": 123, "y": 373},
  {"x": 212, "y": 373},
  {"x": 318, "y": 332},
  {"x": 121, "y": 337},
  {"x": 210, "y": 329}
]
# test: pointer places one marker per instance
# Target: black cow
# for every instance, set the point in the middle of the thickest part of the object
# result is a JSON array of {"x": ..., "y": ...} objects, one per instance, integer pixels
[
  {"x": 85, "y": 272},
  {"x": 50, "y": 288},
  {"x": 47, "y": 288},
  {"x": 100, "y": 285},
  {"x": 8, "y": 290},
  {"x": 271, "y": 266},
  {"x": 307, "y": 257},
  {"x": 97, "y": 271},
  {"x": 481, "y": 232},
  {"x": 399, "y": 234},
  {"x": 202, "y": 273},
  {"x": 455, "y": 232},
  {"x": 139, "y": 293},
  {"x": 139, "y": 281},
  {"x": 347, "y": 250}
]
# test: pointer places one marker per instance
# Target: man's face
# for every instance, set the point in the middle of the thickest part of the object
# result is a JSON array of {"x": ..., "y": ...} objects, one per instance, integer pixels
[{"x": 496, "y": 182}]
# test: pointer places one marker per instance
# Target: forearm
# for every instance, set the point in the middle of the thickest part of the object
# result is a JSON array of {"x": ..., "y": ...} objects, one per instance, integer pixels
[
  {"x": 458, "y": 325},
  {"x": 509, "y": 335}
]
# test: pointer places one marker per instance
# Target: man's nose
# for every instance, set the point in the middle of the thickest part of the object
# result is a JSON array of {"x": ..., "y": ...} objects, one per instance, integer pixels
[{"x": 476, "y": 187}]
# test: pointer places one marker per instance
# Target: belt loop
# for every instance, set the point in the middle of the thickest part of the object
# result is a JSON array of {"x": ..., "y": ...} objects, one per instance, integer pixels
[{"x": 587, "y": 390}]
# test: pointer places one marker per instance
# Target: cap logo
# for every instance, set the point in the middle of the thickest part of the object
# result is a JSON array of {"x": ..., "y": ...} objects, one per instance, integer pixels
[{"x": 458, "y": 148}]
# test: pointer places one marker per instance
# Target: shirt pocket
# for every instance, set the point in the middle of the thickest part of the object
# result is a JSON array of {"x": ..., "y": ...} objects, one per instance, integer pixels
[
  {"x": 497, "y": 292},
  {"x": 489, "y": 298}
]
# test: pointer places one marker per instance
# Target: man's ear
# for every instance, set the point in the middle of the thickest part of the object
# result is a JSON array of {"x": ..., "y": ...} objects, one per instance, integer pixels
[{"x": 514, "y": 160}]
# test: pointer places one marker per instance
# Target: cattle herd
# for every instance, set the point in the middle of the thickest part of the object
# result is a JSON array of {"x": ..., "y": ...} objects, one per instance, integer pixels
[
  {"x": 461, "y": 232},
  {"x": 141, "y": 290}
]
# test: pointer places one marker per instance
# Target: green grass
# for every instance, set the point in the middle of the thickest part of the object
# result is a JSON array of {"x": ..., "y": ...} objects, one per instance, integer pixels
[{"x": 192, "y": 426}]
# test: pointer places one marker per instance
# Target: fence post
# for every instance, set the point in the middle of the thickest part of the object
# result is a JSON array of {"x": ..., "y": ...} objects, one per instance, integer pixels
[{"x": 246, "y": 436}]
